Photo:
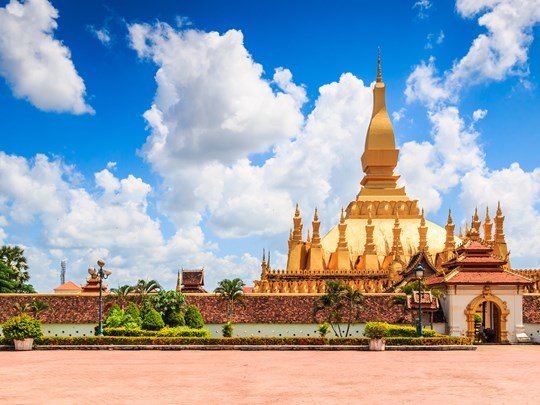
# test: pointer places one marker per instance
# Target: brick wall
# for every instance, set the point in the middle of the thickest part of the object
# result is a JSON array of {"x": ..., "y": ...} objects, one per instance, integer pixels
[{"x": 272, "y": 308}]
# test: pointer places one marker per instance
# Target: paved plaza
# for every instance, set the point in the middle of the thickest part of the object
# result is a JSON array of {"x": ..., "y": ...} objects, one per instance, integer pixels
[{"x": 489, "y": 375}]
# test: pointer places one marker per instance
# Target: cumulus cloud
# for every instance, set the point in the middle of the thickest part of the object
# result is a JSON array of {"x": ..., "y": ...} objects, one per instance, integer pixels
[
  {"x": 519, "y": 194},
  {"x": 37, "y": 66},
  {"x": 479, "y": 114},
  {"x": 214, "y": 111},
  {"x": 113, "y": 223},
  {"x": 102, "y": 34}
]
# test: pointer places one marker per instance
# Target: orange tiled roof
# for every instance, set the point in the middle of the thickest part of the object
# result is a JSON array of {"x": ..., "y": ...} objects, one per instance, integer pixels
[{"x": 68, "y": 286}]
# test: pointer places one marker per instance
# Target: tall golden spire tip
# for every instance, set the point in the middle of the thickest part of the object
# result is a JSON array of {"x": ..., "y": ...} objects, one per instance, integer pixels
[{"x": 379, "y": 75}]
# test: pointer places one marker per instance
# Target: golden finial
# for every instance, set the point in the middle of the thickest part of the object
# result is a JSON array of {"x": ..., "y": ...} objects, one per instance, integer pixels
[
  {"x": 268, "y": 258},
  {"x": 460, "y": 235},
  {"x": 379, "y": 75},
  {"x": 264, "y": 258},
  {"x": 422, "y": 219},
  {"x": 290, "y": 234},
  {"x": 466, "y": 228},
  {"x": 396, "y": 222},
  {"x": 297, "y": 211},
  {"x": 342, "y": 219},
  {"x": 488, "y": 219},
  {"x": 316, "y": 216},
  {"x": 369, "y": 216},
  {"x": 308, "y": 237},
  {"x": 450, "y": 216},
  {"x": 499, "y": 211}
]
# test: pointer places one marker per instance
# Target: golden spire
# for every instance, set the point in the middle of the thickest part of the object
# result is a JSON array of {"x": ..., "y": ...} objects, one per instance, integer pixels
[
  {"x": 268, "y": 259},
  {"x": 380, "y": 155},
  {"x": 422, "y": 232},
  {"x": 397, "y": 247},
  {"x": 488, "y": 226},
  {"x": 369, "y": 247},
  {"x": 342, "y": 226},
  {"x": 449, "y": 243},
  {"x": 475, "y": 223},
  {"x": 297, "y": 220},
  {"x": 316, "y": 241},
  {"x": 460, "y": 235},
  {"x": 178, "y": 283},
  {"x": 379, "y": 75},
  {"x": 263, "y": 264},
  {"x": 308, "y": 240}
]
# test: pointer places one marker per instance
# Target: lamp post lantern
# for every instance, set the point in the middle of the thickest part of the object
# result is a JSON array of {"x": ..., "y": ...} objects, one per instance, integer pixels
[
  {"x": 419, "y": 270},
  {"x": 102, "y": 274}
]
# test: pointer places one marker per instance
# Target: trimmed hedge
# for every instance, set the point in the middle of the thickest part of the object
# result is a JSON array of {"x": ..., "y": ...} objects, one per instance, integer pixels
[
  {"x": 165, "y": 332},
  {"x": 277, "y": 341},
  {"x": 408, "y": 331}
]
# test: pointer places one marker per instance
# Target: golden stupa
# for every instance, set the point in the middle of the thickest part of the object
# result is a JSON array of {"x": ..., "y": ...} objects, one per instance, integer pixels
[{"x": 382, "y": 235}]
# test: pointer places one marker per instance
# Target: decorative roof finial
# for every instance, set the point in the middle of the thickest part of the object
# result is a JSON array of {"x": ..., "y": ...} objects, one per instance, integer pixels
[
  {"x": 297, "y": 211},
  {"x": 316, "y": 216},
  {"x": 379, "y": 75},
  {"x": 342, "y": 219},
  {"x": 450, "y": 216}
]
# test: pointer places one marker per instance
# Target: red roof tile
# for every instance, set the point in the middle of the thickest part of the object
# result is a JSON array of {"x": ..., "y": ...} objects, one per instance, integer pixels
[{"x": 68, "y": 286}]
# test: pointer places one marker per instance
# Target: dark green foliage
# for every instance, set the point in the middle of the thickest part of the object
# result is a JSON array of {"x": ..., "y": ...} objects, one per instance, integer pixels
[
  {"x": 13, "y": 271},
  {"x": 165, "y": 302},
  {"x": 152, "y": 321},
  {"x": 227, "y": 330},
  {"x": 194, "y": 317},
  {"x": 22, "y": 327},
  {"x": 175, "y": 318}
]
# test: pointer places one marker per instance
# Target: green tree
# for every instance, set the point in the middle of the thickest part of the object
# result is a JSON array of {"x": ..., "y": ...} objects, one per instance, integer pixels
[
  {"x": 339, "y": 300},
  {"x": 231, "y": 291},
  {"x": 13, "y": 271},
  {"x": 167, "y": 303},
  {"x": 22, "y": 308},
  {"x": 193, "y": 317},
  {"x": 13, "y": 256},
  {"x": 152, "y": 321}
]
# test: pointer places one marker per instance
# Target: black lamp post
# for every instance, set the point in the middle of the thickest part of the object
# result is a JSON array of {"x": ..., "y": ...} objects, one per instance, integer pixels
[
  {"x": 419, "y": 270},
  {"x": 102, "y": 274}
]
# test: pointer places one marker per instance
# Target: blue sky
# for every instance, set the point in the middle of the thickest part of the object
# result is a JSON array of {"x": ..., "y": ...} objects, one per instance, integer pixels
[{"x": 179, "y": 134}]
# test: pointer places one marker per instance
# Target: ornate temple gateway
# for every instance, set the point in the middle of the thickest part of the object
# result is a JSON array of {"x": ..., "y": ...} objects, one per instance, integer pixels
[{"x": 382, "y": 235}]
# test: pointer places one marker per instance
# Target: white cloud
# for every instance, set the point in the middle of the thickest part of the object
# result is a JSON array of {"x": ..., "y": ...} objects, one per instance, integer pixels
[
  {"x": 398, "y": 115},
  {"x": 519, "y": 194},
  {"x": 37, "y": 66},
  {"x": 479, "y": 114},
  {"x": 423, "y": 6},
  {"x": 102, "y": 34},
  {"x": 424, "y": 85}
]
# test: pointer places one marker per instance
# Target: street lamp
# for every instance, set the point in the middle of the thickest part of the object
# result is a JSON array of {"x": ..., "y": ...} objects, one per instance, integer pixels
[
  {"x": 419, "y": 270},
  {"x": 102, "y": 274}
]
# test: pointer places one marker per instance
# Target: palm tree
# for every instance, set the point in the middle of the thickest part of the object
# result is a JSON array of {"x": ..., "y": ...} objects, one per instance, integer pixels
[
  {"x": 231, "y": 291},
  {"x": 121, "y": 294},
  {"x": 339, "y": 299},
  {"x": 13, "y": 257},
  {"x": 22, "y": 308},
  {"x": 143, "y": 288},
  {"x": 37, "y": 307}
]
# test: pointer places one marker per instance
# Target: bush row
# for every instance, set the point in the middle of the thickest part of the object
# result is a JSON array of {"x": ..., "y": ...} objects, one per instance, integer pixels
[
  {"x": 165, "y": 332},
  {"x": 249, "y": 340}
]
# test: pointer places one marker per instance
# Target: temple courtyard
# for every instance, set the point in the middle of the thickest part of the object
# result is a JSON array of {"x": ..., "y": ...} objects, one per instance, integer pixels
[{"x": 492, "y": 374}]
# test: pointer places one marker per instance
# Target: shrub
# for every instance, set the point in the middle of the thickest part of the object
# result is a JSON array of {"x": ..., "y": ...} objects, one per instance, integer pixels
[
  {"x": 133, "y": 310},
  {"x": 194, "y": 318},
  {"x": 478, "y": 319},
  {"x": 227, "y": 329},
  {"x": 22, "y": 327},
  {"x": 407, "y": 331},
  {"x": 170, "y": 332},
  {"x": 376, "y": 330},
  {"x": 323, "y": 329},
  {"x": 152, "y": 321},
  {"x": 174, "y": 318}
]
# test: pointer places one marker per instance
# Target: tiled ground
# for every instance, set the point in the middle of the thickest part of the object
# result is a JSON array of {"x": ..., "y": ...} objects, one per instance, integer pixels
[{"x": 489, "y": 375}]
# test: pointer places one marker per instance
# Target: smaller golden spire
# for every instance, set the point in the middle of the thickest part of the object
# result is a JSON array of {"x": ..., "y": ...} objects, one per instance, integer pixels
[
  {"x": 379, "y": 75},
  {"x": 316, "y": 216},
  {"x": 178, "y": 283},
  {"x": 396, "y": 222},
  {"x": 308, "y": 240},
  {"x": 450, "y": 222},
  {"x": 342, "y": 219},
  {"x": 268, "y": 259},
  {"x": 369, "y": 221},
  {"x": 460, "y": 235},
  {"x": 422, "y": 219},
  {"x": 297, "y": 211},
  {"x": 263, "y": 259}
]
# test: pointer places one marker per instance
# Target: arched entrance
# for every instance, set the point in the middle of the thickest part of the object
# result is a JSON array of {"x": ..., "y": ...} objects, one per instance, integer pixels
[{"x": 494, "y": 312}]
